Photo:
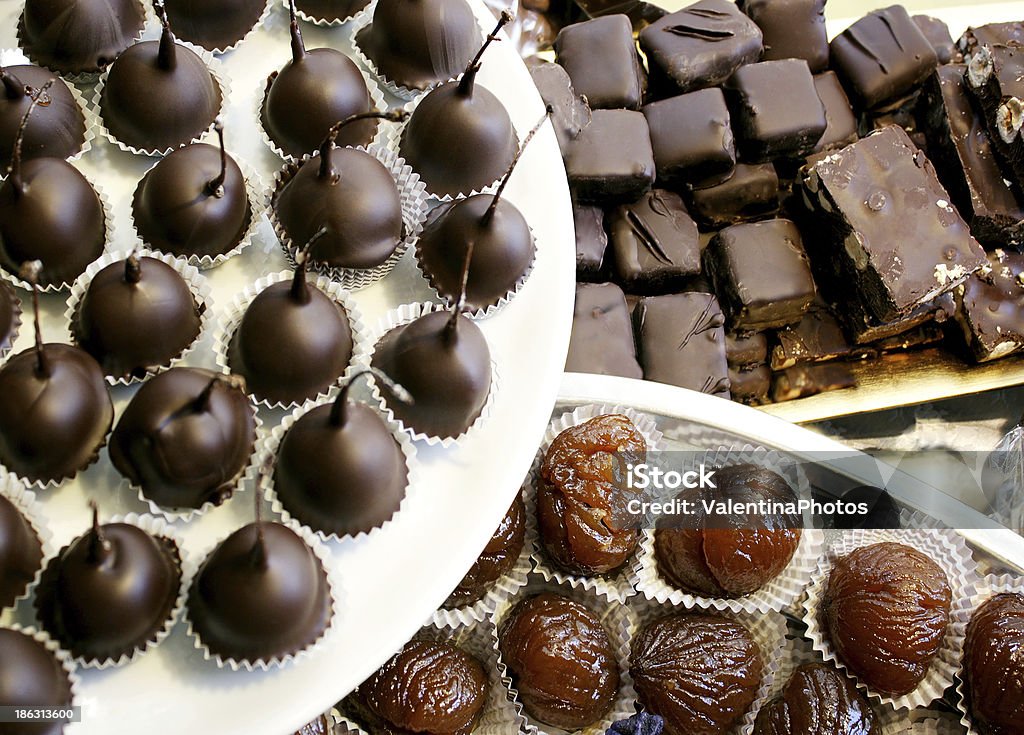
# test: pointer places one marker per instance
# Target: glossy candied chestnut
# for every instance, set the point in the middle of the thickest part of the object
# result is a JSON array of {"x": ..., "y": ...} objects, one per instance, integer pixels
[
  {"x": 817, "y": 700},
  {"x": 994, "y": 665},
  {"x": 496, "y": 560}
]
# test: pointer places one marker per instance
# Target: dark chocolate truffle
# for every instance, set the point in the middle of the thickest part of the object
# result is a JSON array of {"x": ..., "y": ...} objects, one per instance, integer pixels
[
  {"x": 330, "y": 11},
  {"x": 185, "y": 438},
  {"x": 79, "y": 36},
  {"x": 159, "y": 95},
  {"x": 136, "y": 315},
  {"x": 993, "y": 669},
  {"x": 699, "y": 672},
  {"x": 56, "y": 129},
  {"x": 817, "y": 700},
  {"x": 21, "y": 553},
  {"x": 582, "y": 497},
  {"x": 886, "y": 610},
  {"x": 418, "y": 43},
  {"x": 110, "y": 591},
  {"x": 261, "y": 594},
  {"x": 560, "y": 659},
  {"x": 496, "y": 560},
  {"x": 214, "y": 24},
  {"x": 31, "y": 676},
  {"x": 427, "y": 687}
]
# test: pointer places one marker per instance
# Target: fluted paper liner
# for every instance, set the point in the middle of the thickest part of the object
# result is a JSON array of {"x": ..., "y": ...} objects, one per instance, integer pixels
[
  {"x": 917, "y": 722},
  {"x": 944, "y": 548},
  {"x": 67, "y": 663},
  {"x": 231, "y": 318},
  {"x": 616, "y": 585},
  {"x": 197, "y": 285},
  {"x": 405, "y": 314},
  {"x": 28, "y": 505},
  {"x": 16, "y": 315},
  {"x": 618, "y": 621},
  {"x": 323, "y": 22},
  {"x": 799, "y": 651},
  {"x": 767, "y": 629},
  {"x": 781, "y": 593},
  {"x": 335, "y": 588}
]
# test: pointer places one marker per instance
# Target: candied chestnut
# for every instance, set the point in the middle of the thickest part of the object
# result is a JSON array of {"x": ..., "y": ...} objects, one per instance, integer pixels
[
  {"x": 731, "y": 562},
  {"x": 496, "y": 560},
  {"x": 993, "y": 665},
  {"x": 817, "y": 700},
  {"x": 560, "y": 659},
  {"x": 582, "y": 498},
  {"x": 699, "y": 672},
  {"x": 887, "y": 610}
]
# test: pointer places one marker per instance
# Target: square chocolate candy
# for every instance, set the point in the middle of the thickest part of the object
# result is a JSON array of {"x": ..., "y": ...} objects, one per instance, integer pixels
[
  {"x": 761, "y": 274},
  {"x": 990, "y": 307},
  {"x": 570, "y": 111},
  {"x": 841, "y": 129},
  {"x": 602, "y": 334},
  {"x": 752, "y": 191},
  {"x": 691, "y": 136},
  {"x": 611, "y": 160},
  {"x": 937, "y": 33},
  {"x": 601, "y": 58},
  {"x": 792, "y": 29},
  {"x": 751, "y": 385},
  {"x": 655, "y": 243},
  {"x": 744, "y": 351},
  {"x": 591, "y": 241}
]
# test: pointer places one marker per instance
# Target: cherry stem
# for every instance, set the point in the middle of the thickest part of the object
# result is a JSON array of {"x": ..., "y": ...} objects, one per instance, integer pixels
[
  {"x": 14, "y": 170},
  {"x": 339, "y": 414},
  {"x": 258, "y": 555},
  {"x": 30, "y": 272},
  {"x": 166, "y": 57},
  {"x": 99, "y": 544},
  {"x": 202, "y": 402},
  {"x": 132, "y": 269},
  {"x": 489, "y": 214},
  {"x": 12, "y": 85},
  {"x": 300, "y": 290},
  {"x": 216, "y": 186},
  {"x": 330, "y": 142},
  {"x": 460, "y": 305},
  {"x": 298, "y": 47},
  {"x": 469, "y": 76}
]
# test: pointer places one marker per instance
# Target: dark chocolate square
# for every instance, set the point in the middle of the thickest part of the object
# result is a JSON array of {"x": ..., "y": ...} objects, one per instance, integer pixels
[
  {"x": 842, "y": 123},
  {"x": 882, "y": 56},
  {"x": 655, "y": 243},
  {"x": 937, "y": 33},
  {"x": 750, "y": 386},
  {"x": 591, "y": 241},
  {"x": 810, "y": 380},
  {"x": 602, "y": 333},
  {"x": 691, "y": 136},
  {"x": 751, "y": 192},
  {"x": 611, "y": 161},
  {"x": 699, "y": 46},
  {"x": 990, "y": 307},
  {"x": 681, "y": 342},
  {"x": 601, "y": 58},
  {"x": 818, "y": 337},
  {"x": 744, "y": 351},
  {"x": 775, "y": 109},
  {"x": 792, "y": 29},
  {"x": 570, "y": 112},
  {"x": 761, "y": 274}
]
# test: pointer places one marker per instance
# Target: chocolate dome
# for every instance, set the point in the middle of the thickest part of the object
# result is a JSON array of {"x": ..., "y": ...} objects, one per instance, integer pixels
[
  {"x": 817, "y": 700},
  {"x": 21, "y": 553},
  {"x": 31, "y": 676},
  {"x": 79, "y": 36},
  {"x": 136, "y": 315},
  {"x": 331, "y": 11},
  {"x": 55, "y": 130},
  {"x": 993, "y": 668},
  {"x": 496, "y": 560},
  {"x": 214, "y": 24},
  {"x": 260, "y": 594},
  {"x": 185, "y": 438}
]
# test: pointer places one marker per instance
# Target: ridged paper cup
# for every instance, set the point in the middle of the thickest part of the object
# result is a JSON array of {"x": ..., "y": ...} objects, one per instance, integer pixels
[
  {"x": 6, "y": 346},
  {"x": 799, "y": 651},
  {"x": 67, "y": 663},
  {"x": 324, "y": 22},
  {"x": 197, "y": 285},
  {"x": 951, "y": 554},
  {"x": 917, "y": 722},
  {"x": 32, "y": 511},
  {"x": 618, "y": 621},
  {"x": 617, "y": 585},
  {"x": 231, "y": 318},
  {"x": 231, "y": 47}
]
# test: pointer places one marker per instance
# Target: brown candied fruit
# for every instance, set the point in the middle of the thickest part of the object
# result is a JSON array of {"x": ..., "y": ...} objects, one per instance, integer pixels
[
  {"x": 496, "y": 560},
  {"x": 887, "y": 610},
  {"x": 583, "y": 498},
  {"x": 699, "y": 672},
  {"x": 994, "y": 665},
  {"x": 560, "y": 659},
  {"x": 817, "y": 700}
]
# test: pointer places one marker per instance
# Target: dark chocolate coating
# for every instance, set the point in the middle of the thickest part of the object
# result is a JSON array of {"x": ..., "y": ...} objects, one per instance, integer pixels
[
  {"x": 611, "y": 161},
  {"x": 699, "y": 672},
  {"x": 681, "y": 341},
  {"x": 176, "y": 212},
  {"x": 736, "y": 556},
  {"x": 255, "y": 599},
  {"x": 655, "y": 244},
  {"x": 54, "y": 130},
  {"x": 343, "y": 479},
  {"x": 699, "y": 46},
  {"x": 130, "y": 328},
  {"x": 458, "y": 141},
  {"x": 818, "y": 337},
  {"x": 310, "y": 95},
  {"x": 417, "y": 43},
  {"x": 992, "y": 665},
  {"x": 886, "y": 610},
  {"x": 150, "y": 107},
  {"x": 560, "y": 659},
  {"x": 817, "y": 700},
  {"x": 57, "y": 219},
  {"x": 496, "y": 560},
  {"x": 751, "y": 192},
  {"x": 289, "y": 349},
  {"x": 427, "y": 687},
  {"x": 213, "y": 24},
  {"x": 331, "y": 10},
  {"x": 105, "y": 603},
  {"x": 447, "y": 372},
  {"x": 791, "y": 29},
  {"x": 21, "y": 553},
  {"x": 802, "y": 381},
  {"x": 995, "y": 76},
  {"x": 882, "y": 56},
  {"x": 52, "y": 424},
  {"x": 750, "y": 385},
  {"x": 359, "y": 206},
  {"x": 31, "y": 677},
  {"x": 181, "y": 454},
  {"x": 937, "y": 33},
  {"x": 691, "y": 136},
  {"x": 79, "y": 36},
  {"x": 841, "y": 127},
  {"x": 602, "y": 335},
  {"x": 570, "y": 111},
  {"x": 745, "y": 351},
  {"x": 591, "y": 241},
  {"x": 601, "y": 59},
  {"x": 990, "y": 307},
  {"x": 1009, "y": 33},
  {"x": 10, "y": 318},
  {"x": 503, "y": 250},
  {"x": 582, "y": 497}
]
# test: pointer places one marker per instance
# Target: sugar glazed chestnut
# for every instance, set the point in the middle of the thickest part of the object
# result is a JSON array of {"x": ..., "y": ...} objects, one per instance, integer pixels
[
  {"x": 496, "y": 560},
  {"x": 699, "y": 672},
  {"x": 817, "y": 700},
  {"x": 561, "y": 661},
  {"x": 582, "y": 497},
  {"x": 887, "y": 610},
  {"x": 994, "y": 667}
]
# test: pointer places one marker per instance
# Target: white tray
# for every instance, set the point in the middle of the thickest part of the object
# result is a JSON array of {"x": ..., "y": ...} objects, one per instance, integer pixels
[{"x": 395, "y": 581}]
